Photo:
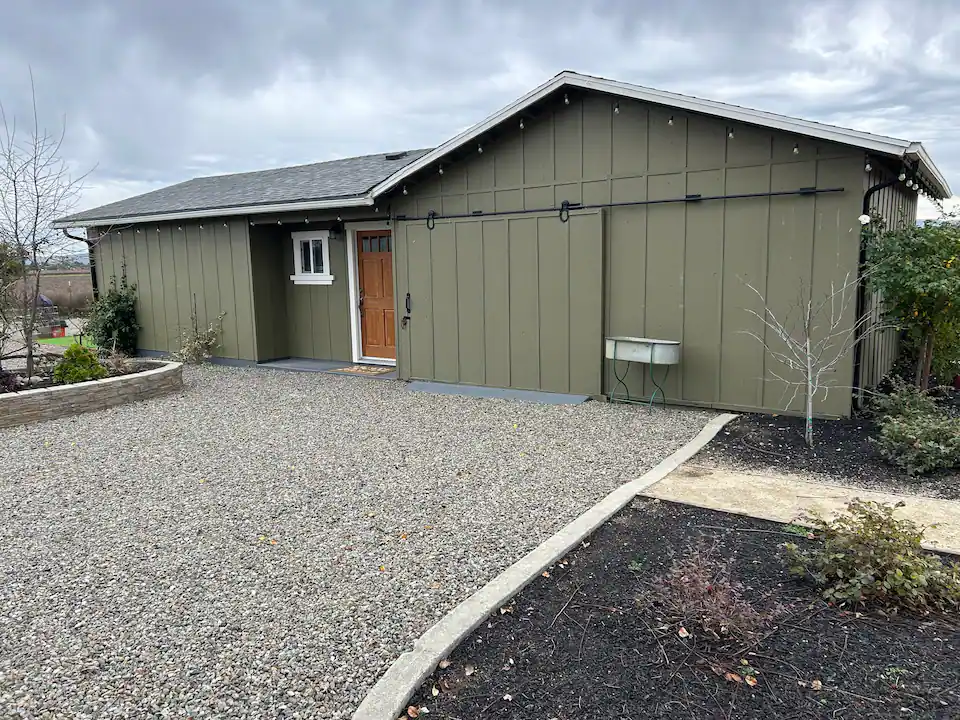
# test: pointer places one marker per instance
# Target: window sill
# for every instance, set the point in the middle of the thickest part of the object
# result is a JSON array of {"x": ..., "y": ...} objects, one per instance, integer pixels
[{"x": 312, "y": 279}]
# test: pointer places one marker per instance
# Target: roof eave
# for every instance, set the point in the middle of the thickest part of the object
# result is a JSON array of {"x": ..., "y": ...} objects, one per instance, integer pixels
[
  {"x": 867, "y": 141},
  {"x": 918, "y": 153},
  {"x": 359, "y": 201}
]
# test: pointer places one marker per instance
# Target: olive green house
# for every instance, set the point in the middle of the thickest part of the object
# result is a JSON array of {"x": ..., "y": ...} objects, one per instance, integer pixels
[{"x": 505, "y": 257}]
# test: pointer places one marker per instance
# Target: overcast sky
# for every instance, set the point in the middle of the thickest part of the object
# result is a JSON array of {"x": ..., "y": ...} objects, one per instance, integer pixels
[{"x": 155, "y": 92}]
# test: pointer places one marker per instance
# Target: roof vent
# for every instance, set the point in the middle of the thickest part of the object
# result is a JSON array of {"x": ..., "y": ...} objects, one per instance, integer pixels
[{"x": 395, "y": 156}]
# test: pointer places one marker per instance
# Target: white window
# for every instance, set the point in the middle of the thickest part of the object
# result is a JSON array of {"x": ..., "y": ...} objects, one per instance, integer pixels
[{"x": 311, "y": 258}]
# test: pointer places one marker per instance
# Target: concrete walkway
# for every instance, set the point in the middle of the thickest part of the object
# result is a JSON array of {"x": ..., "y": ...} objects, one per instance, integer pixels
[{"x": 785, "y": 498}]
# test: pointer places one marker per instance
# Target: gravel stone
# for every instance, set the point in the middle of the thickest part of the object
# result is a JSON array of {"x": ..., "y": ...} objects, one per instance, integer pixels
[{"x": 265, "y": 544}]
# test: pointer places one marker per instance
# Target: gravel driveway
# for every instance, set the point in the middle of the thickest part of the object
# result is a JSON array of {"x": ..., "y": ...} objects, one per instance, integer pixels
[{"x": 266, "y": 543}]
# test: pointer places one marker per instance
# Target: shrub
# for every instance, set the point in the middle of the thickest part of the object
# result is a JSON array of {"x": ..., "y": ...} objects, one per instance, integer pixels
[
  {"x": 915, "y": 270},
  {"x": 867, "y": 556},
  {"x": 197, "y": 344},
  {"x": 79, "y": 364},
  {"x": 113, "y": 318},
  {"x": 117, "y": 362},
  {"x": 945, "y": 363},
  {"x": 916, "y": 434},
  {"x": 699, "y": 591},
  {"x": 903, "y": 399},
  {"x": 920, "y": 442},
  {"x": 8, "y": 381}
]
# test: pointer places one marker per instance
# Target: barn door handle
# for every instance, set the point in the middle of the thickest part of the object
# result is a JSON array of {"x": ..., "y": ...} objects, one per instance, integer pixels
[{"x": 406, "y": 318}]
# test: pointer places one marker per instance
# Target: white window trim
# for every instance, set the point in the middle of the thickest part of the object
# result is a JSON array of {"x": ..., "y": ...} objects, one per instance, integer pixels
[
  {"x": 301, "y": 278},
  {"x": 354, "y": 289}
]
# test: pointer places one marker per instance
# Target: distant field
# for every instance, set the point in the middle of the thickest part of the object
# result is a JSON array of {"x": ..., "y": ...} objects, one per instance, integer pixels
[{"x": 68, "y": 290}]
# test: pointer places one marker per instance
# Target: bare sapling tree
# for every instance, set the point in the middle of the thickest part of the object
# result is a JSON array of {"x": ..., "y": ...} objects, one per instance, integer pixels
[
  {"x": 810, "y": 340},
  {"x": 36, "y": 188}
]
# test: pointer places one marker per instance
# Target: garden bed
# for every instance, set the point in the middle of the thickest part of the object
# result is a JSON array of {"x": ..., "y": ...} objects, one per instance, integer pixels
[
  {"x": 139, "y": 380},
  {"x": 577, "y": 643},
  {"x": 44, "y": 378},
  {"x": 843, "y": 454}
]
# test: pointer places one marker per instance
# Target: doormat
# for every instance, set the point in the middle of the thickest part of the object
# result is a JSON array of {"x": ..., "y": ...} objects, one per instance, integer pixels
[{"x": 366, "y": 369}]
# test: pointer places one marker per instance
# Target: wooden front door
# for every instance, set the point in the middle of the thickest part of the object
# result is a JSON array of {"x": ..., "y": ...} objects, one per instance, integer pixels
[{"x": 375, "y": 275}]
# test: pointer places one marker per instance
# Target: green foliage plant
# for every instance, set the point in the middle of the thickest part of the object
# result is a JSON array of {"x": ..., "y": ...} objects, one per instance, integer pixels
[
  {"x": 79, "y": 364},
  {"x": 867, "y": 556},
  {"x": 113, "y": 318},
  {"x": 916, "y": 270}
]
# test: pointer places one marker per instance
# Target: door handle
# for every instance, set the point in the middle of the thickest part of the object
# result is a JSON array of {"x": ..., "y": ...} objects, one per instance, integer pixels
[
  {"x": 406, "y": 318},
  {"x": 360, "y": 301}
]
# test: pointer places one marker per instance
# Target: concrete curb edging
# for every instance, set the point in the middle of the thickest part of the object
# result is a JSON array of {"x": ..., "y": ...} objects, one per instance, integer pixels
[{"x": 388, "y": 698}]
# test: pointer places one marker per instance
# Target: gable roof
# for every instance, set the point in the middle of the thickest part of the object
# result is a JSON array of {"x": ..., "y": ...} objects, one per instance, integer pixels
[
  {"x": 335, "y": 183},
  {"x": 913, "y": 152},
  {"x": 357, "y": 181}
]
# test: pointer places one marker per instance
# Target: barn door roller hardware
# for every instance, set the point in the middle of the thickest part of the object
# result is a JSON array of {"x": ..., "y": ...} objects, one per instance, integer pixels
[{"x": 566, "y": 206}]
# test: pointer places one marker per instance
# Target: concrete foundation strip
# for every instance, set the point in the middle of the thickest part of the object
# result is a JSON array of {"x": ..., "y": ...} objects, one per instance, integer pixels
[{"x": 387, "y": 699}]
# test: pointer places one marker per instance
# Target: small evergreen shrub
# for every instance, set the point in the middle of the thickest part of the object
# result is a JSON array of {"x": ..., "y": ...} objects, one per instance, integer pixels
[
  {"x": 916, "y": 434},
  {"x": 79, "y": 364},
  {"x": 903, "y": 399},
  {"x": 113, "y": 318},
  {"x": 868, "y": 556},
  {"x": 920, "y": 442}
]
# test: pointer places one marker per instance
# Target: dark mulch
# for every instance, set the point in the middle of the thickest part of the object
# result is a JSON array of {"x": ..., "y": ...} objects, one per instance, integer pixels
[
  {"x": 842, "y": 453},
  {"x": 578, "y": 644}
]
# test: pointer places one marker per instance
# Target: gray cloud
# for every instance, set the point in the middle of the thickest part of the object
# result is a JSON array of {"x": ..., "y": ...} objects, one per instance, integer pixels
[{"x": 158, "y": 92}]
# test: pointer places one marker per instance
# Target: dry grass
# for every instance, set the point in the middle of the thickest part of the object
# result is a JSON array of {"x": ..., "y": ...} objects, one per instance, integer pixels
[{"x": 69, "y": 290}]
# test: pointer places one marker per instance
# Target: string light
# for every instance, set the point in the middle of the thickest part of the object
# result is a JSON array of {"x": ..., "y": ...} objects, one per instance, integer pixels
[
  {"x": 616, "y": 108},
  {"x": 902, "y": 176},
  {"x": 566, "y": 99},
  {"x": 521, "y": 123},
  {"x": 480, "y": 149},
  {"x": 868, "y": 167},
  {"x": 796, "y": 148},
  {"x": 670, "y": 121},
  {"x": 441, "y": 169},
  {"x": 730, "y": 133},
  {"x": 405, "y": 190}
]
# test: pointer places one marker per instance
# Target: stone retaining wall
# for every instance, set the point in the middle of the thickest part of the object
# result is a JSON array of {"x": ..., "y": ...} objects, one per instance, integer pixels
[{"x": 31, "y": 406}]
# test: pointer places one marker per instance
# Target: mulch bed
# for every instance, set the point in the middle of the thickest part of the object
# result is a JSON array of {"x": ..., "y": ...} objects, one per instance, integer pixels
[
  {"x": 578, "y": 644},
  {"x": 133, "y": 366},
  {"x": 842, "y": 452}
]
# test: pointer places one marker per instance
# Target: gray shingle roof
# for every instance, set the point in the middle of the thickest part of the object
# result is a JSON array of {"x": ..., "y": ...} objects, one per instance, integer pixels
[{"x": 332, "y": 180}]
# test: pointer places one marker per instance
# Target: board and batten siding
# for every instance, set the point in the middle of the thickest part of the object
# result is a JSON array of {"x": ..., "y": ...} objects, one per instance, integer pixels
[
  {"x": 176, "y": 265},
  {"x": 897, "y": 206},
  {"x": 317, "y": 322},
  {"x": 504, "y": 302},
  {"x": 674, "y": 271}
]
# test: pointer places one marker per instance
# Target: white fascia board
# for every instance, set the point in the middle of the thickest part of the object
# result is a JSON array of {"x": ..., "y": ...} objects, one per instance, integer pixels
[
  {"x": 845, "y": 136},
  {"x": 468, "y": 134},
  {"x": 929, "y": 169},
  {"x": 363, "y": 201}
]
